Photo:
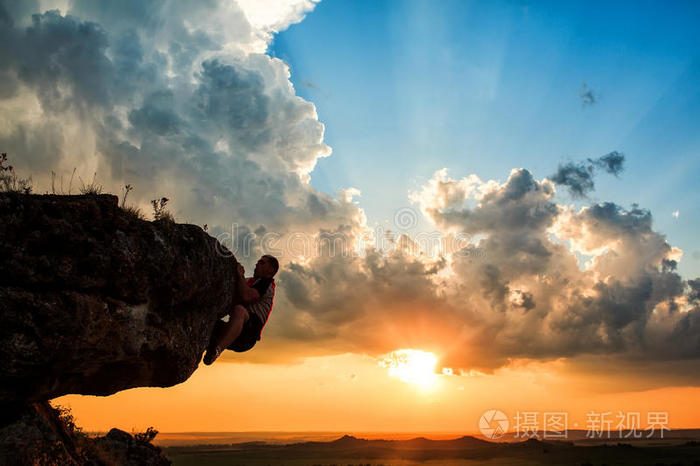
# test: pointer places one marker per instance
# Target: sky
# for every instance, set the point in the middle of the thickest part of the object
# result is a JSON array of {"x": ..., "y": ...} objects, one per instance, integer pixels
[
  {"x": 476, "y": 205},
  {"x": 483, "y": 87}
]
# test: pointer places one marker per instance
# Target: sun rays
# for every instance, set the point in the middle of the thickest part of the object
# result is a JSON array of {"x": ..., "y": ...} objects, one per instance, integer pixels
[{"x": 412, "y": 366}]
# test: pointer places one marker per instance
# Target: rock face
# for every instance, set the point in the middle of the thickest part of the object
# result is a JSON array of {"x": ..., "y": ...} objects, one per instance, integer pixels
[
  {"x": 43, "y": 435},
  {"x": 125, "y": 449},
  {"x": 94, "y": 300}
]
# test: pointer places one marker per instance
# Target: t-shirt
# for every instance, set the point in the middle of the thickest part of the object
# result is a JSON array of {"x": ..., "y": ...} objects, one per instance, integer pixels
[{"x": 262, "y": 307}]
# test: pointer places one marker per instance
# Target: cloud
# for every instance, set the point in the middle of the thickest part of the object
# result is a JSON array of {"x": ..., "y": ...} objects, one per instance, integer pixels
[
  {"x": 588, "y": 97},
  {"x": 173, "y": 99},
  {"x": 578, "y": 177},
  {"x": 270, "y": 16},
  {"x": 309, "y": 84},
  {"x": 181, "y": 101},
  {"x": 612, "y": 163},
  {"x": 526, "y": 295},
  {"x": 530, "y": 297}
]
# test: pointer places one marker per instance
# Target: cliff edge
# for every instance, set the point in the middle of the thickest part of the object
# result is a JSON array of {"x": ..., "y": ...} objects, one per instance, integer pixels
[{"x": 94, "y": 299}]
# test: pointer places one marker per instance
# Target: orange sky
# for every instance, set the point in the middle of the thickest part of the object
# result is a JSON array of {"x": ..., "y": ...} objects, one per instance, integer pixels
[{"x": 354, "y": 393}]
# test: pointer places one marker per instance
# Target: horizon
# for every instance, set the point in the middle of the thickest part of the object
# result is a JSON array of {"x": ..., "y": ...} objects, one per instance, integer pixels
[
  {"x": 481, "y": 210},
  {"x": 169, "y": 439}
]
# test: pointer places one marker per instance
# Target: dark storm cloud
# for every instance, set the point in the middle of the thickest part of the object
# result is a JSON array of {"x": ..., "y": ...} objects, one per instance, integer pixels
[
  {"x": 493, "y": 285},
  {"x": 10, "y": 10},
  {"x": 578, "y": 177},
  {"x": 62, "y": 62},
  {"x": 57, "y": 50},
  {"x": 612, "y": 163},
  {"x": 156, "y": 115},
  {"x": 694, "y": 294},
  {"x": 234, "y": 100}
]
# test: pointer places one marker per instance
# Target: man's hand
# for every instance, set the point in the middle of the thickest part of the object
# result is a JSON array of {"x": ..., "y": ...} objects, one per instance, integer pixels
[{"x": 246, "y": 294}]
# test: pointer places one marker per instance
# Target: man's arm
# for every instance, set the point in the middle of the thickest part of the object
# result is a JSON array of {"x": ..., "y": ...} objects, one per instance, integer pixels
[{"x": 247, "y": 294}]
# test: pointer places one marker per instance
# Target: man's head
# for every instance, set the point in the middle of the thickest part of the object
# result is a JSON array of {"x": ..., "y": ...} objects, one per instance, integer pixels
[{"x": 266, "y": 267}]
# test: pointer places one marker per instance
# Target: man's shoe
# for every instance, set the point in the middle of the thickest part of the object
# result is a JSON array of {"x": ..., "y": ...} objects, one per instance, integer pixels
[{"x": 211, "y": 355}]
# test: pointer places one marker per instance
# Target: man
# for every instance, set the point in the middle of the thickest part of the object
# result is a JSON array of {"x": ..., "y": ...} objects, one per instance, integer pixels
[{"x": 244, "y": 327}]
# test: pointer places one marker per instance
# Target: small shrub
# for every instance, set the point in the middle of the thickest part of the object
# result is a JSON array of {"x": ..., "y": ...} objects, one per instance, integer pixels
[
  {"x": 60, "y": 190},
  {"x": 167, "y": 217},
  {"x": 93, "y": 188},
  {"x": 134, "y": 212},
  {"x": 127, "y": 189},
  {"x": 9, "y": 181},
  {"x": 130, "y": 210},
  {"x": 159, "y": 211},
  {"x": 67, "y": 419},
  {"x": 146, "y": 437}
]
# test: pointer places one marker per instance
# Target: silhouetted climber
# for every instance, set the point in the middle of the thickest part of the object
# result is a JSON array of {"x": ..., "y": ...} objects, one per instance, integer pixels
[{"x": 247, "y": 320}]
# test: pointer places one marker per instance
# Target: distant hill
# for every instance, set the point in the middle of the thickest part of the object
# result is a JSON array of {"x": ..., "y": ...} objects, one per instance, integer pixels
[{"x": 351, "y": 450}]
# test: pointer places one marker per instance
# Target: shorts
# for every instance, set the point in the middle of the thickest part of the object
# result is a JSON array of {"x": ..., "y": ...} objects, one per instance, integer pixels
[{"x": 250, "y": 334}]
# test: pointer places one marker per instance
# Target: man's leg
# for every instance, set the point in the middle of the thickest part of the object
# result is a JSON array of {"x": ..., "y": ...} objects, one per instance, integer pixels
[
  {"x": 233, "y": 327},
  {"x": 228, "y": 334}
]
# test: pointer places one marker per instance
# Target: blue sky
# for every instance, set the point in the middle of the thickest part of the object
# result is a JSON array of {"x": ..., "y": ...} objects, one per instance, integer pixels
[{"x": 406, "y": 88}]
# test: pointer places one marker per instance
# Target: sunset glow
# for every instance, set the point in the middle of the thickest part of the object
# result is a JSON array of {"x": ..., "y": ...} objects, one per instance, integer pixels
[{"x": 412, "y": 366}]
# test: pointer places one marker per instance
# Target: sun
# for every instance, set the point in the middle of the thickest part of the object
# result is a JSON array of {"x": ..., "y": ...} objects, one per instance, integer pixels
[{"x": 412, "y": 366}]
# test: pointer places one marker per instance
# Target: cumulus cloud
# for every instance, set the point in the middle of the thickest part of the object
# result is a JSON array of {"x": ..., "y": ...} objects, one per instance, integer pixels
[
  {"x": 271, "y": 16},
  {"x": 172, "y": 98},
  {"x": 627, "y": 299},
  {"x": 537, "y": 280}
]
